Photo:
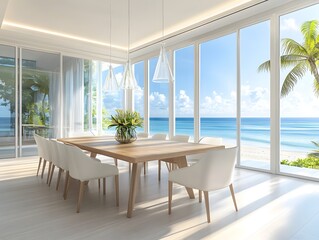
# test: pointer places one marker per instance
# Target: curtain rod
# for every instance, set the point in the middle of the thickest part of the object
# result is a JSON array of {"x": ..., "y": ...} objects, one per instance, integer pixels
[{"x": 196, "y": 27}]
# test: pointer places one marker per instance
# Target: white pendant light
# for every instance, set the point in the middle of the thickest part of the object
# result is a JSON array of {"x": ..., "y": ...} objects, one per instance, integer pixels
[
  {"x": 111, "y": 84},
  {"x": 163, "y": 73},
  {"x": 128, "y": 81}
]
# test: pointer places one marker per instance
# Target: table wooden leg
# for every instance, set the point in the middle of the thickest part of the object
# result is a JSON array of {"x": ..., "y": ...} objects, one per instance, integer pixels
[
  {"x": 182, "y": 162},
  {"x": 93, "y": 155},
  {"x": 135, "y": 177}
]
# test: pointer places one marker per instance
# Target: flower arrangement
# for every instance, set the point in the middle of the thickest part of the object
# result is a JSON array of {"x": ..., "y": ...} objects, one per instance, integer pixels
[{"x": 126, "y": 122}]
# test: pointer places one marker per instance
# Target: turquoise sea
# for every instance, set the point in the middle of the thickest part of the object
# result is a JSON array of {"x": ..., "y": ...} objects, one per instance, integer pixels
[{"x": 296, "y": 133}]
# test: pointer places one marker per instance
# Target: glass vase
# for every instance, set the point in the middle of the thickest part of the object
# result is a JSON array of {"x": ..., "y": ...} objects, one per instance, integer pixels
[{"x": 125, "y": 135}]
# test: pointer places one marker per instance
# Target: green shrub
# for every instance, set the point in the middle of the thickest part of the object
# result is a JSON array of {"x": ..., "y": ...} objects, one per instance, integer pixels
[{"x": 308, "y": 162}]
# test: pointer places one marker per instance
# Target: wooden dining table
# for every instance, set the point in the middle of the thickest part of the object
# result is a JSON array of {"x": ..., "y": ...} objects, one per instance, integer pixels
[{"x": 138, "y": 152}]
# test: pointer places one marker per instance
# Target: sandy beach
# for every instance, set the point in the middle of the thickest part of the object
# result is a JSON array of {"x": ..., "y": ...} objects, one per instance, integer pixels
[{"x": 263, "y": 154}]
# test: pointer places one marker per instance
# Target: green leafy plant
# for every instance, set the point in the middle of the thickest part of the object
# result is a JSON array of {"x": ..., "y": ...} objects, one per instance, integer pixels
[
  {"x": 308, "y": 162},
  {"x": 126, "y": 122}
]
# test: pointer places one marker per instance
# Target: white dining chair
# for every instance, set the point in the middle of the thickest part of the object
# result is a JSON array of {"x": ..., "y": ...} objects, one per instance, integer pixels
[
  {"x": 204, "y": 140},
  {"x": 46, "y": 155},
  {"x": 40, "y": 151},
  {"x": 64, "y": 162},
  {"x": 170, "y": 166},
  {"x": 50, "y": 156},
  {"x": 142, "y": 135},
  {"x": 84, "y": 169},
  {"x": 212, "y": 172},
  {"x": 192, "y": 159},
  {"x": 57, "y": 161}
]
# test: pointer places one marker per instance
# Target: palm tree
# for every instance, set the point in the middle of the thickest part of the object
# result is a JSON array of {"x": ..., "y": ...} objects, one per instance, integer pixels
[{"x": 302, "y": 57}]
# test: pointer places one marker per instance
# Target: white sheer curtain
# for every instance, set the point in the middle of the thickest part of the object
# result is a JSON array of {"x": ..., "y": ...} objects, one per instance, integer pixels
[
  {"x": 73, "y": 95},
  {"x": 55, "y": 104}
]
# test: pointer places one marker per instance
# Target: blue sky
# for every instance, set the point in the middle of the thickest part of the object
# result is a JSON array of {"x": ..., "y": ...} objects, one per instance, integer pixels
[{"x": 218, "y": 75}]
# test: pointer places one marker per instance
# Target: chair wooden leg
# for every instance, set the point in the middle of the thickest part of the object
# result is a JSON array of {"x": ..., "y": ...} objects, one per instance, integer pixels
[
  {"x": 159, "y": 170},
  {"x": 40, "y": 160},
  {"x": 66, "y": 185},
  {"x": 59, "y": 178},
  {"x": 43, "y": 167},
  {"x": 116, "y": 178},
  {"x": 104, "y": 186},
  {"x": 49, "y": 172},
  {"x": 207, "y": 206},
  {"x": 82, "y": 185},
  {"x": 200, "y": 195},
  {"x": 170, "y": 194},
  {"x": 115, "y": 161},
  {"x": 233, "y": 196}
]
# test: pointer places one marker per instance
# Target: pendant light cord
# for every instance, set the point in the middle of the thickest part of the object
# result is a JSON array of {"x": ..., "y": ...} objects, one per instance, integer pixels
[
  {"x": 110, "y": 31},
  {"x": 162, "y": 21},
  {"x": 128, "y": 27}
]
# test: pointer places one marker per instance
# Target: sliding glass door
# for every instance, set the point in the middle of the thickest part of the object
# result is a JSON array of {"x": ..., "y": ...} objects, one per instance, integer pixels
[
  {"x": 39, "y": 97},
  {"x": 299, "y": 132},
  {"x": 7, "y": 101},
  {"x": 255, "y": 96},
  {"x": 218, "y": 89}
]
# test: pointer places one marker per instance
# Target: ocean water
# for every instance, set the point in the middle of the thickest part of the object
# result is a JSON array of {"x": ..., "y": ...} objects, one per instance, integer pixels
[{"x": 296, "y": 133}]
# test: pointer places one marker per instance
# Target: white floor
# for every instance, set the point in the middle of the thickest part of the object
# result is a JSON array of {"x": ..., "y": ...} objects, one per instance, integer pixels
[{"x": 270, "y": 207}]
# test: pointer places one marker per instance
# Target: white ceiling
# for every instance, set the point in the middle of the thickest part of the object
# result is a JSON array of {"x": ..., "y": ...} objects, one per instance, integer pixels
[{"x": 83, "y": 25}]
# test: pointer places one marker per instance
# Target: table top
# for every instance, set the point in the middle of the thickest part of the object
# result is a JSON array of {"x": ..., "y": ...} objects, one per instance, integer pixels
[{"x": 139, "y": 151}]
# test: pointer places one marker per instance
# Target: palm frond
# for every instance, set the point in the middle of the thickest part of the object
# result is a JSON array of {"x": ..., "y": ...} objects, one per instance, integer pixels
[
  {"x": 315, "y": 153},
  {"x": 290, "y": 46},
  {"x": 292, "y": 77},
  {"x": 309, "y": 29},
  {"x": 291, "y": 60},
  {"x": 264, "y": 67},
  {"x": 316, "y": 144}
]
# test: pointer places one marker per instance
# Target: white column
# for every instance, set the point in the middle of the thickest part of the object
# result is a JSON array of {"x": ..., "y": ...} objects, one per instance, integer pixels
[
  {"x": 238, "y": 114},
  {"x": 196, "y": 93},
  {"x": 171, "y": 98},
  {"x": 274, "y": 94}
]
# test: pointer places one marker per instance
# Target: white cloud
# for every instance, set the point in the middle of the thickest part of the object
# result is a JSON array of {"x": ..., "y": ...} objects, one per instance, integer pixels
[
  {"x": 289, "y": 24},
  {"x": 218, "y": 99},
  {"x": 299, "y": 104},
  {"x": 218, "y": 105},
  {"x": 184, "y": 105},
  {"x": 158, "y": 104},
  {"x": 255, "y": 102}
]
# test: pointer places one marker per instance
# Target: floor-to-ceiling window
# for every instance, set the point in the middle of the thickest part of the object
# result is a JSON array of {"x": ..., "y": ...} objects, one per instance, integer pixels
[
  {"x": 7, "y": 101},
  {"x": 40, "y": 81},
  {"x": 139, "y": 92},
  {"x": 299, "y": 132},
  {"x": 158, "y": 102},
  {"x": 255, "y": 96},
  {"x": 184, "y": 91},
  {"x": 218, "y": 88}
]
